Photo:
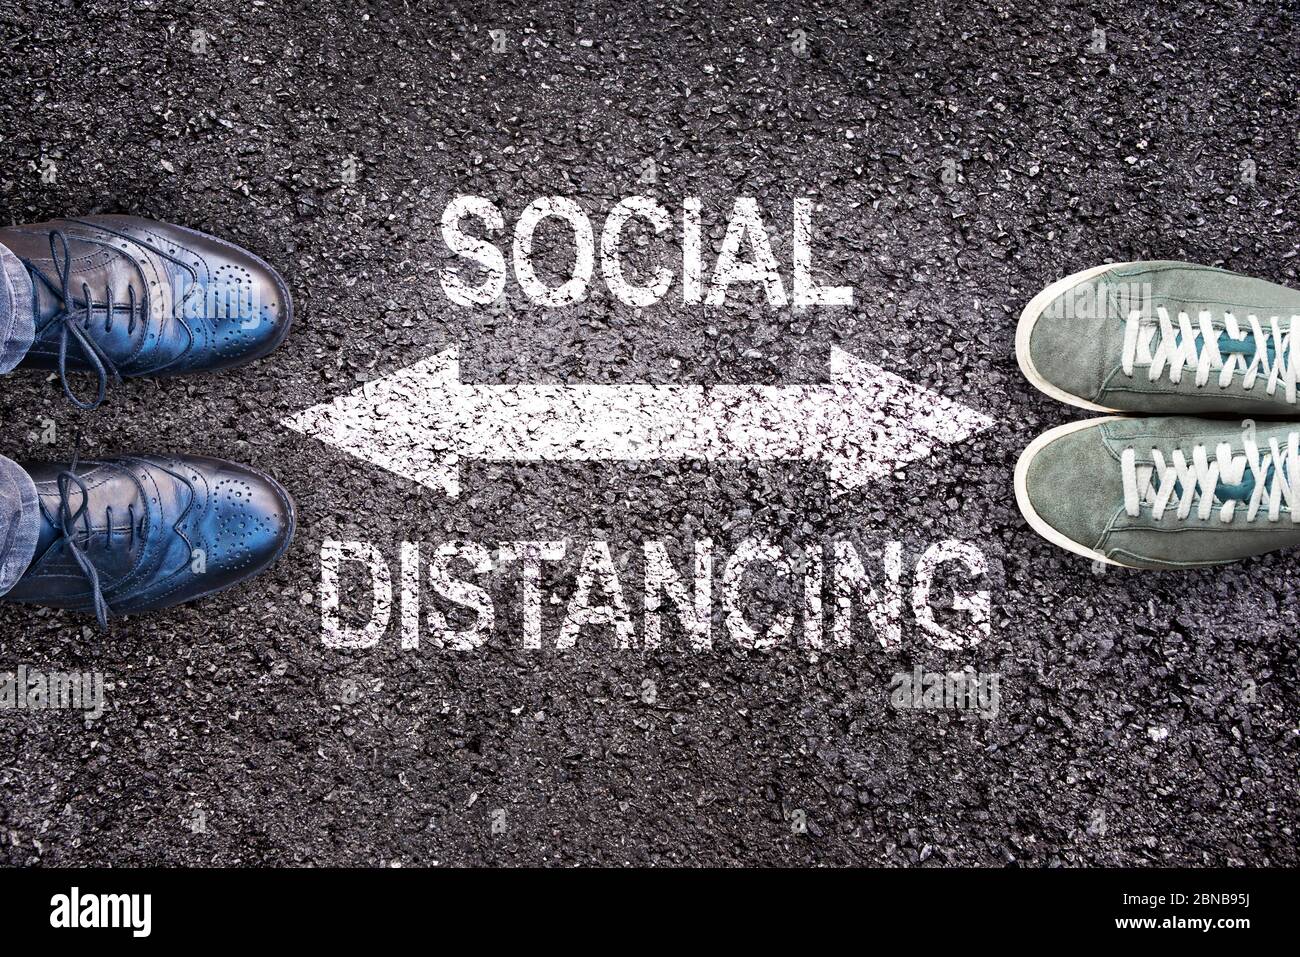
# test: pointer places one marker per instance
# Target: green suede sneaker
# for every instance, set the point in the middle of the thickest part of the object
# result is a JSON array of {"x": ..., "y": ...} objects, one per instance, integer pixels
[
  {"x": 1163, "y": 337},
  {"x": 1163, "y": 492}
]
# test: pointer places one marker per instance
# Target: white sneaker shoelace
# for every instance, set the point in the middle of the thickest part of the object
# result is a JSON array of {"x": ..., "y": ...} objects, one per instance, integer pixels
[
  {"x": 1274, "y": 481},
  {"x": 1177, "y": 350}
]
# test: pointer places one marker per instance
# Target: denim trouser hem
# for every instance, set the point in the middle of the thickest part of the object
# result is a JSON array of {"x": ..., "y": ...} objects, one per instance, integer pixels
[
  {"x": 20, "y": 523},
  {"x": 17, "y": 321}
]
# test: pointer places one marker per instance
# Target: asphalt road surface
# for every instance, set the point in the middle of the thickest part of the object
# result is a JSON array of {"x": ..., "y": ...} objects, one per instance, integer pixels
[{"x": 960, "y": 156}]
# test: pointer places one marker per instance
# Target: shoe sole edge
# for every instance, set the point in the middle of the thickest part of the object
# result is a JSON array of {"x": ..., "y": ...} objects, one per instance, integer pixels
[
  {"x": 1025, "y": 327},
  {"x": 1036, "y": 522}
]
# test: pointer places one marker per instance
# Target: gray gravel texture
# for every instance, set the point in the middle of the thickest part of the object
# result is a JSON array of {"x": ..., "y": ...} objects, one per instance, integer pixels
[{"x": 231, "y": 712}]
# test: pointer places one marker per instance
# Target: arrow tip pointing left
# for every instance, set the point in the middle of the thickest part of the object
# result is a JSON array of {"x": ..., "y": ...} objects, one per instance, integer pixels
[{"x": 387, "y": 422}]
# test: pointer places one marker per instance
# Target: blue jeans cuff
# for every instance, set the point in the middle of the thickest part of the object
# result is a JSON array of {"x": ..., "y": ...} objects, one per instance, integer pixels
[
  {"x": 20, "y": 523},
  {"x": 17, "y": 320}
]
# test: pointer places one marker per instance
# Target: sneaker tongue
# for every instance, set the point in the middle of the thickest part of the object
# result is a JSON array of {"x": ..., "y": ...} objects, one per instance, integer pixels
[
  {"x": 1230, "y": 346},
  {"x": 1244, "y": 347},
  {"x": 1235, "y": 492},
  {"x": 1241, "y": 491}
]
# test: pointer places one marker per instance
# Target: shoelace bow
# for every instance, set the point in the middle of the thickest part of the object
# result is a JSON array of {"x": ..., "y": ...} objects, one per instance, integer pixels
[
  {"x": 1188, "y": 346},
  {"x": 1274, "y": 480},
  {"x": 68, "y": 520},
  {"x": 75, "y": 317}
]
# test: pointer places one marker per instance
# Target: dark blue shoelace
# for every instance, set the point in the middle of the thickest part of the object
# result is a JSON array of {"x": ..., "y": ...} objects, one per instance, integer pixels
[
  {"x": 68, "y": 520},
  {"x": 75, "y": 317}
]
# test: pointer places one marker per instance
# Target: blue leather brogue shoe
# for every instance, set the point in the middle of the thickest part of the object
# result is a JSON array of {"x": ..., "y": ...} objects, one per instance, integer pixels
[
  {"x": 138, "y": 534},
  {"x": 121, "y": 296}
]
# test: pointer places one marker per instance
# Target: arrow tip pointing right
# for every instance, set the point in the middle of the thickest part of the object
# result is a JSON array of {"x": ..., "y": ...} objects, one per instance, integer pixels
[{"x": 887, "y": 421}]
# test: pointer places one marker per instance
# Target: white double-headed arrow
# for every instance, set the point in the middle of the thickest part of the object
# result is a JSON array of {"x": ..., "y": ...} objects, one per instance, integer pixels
[{"x": 421, "y": 421}]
